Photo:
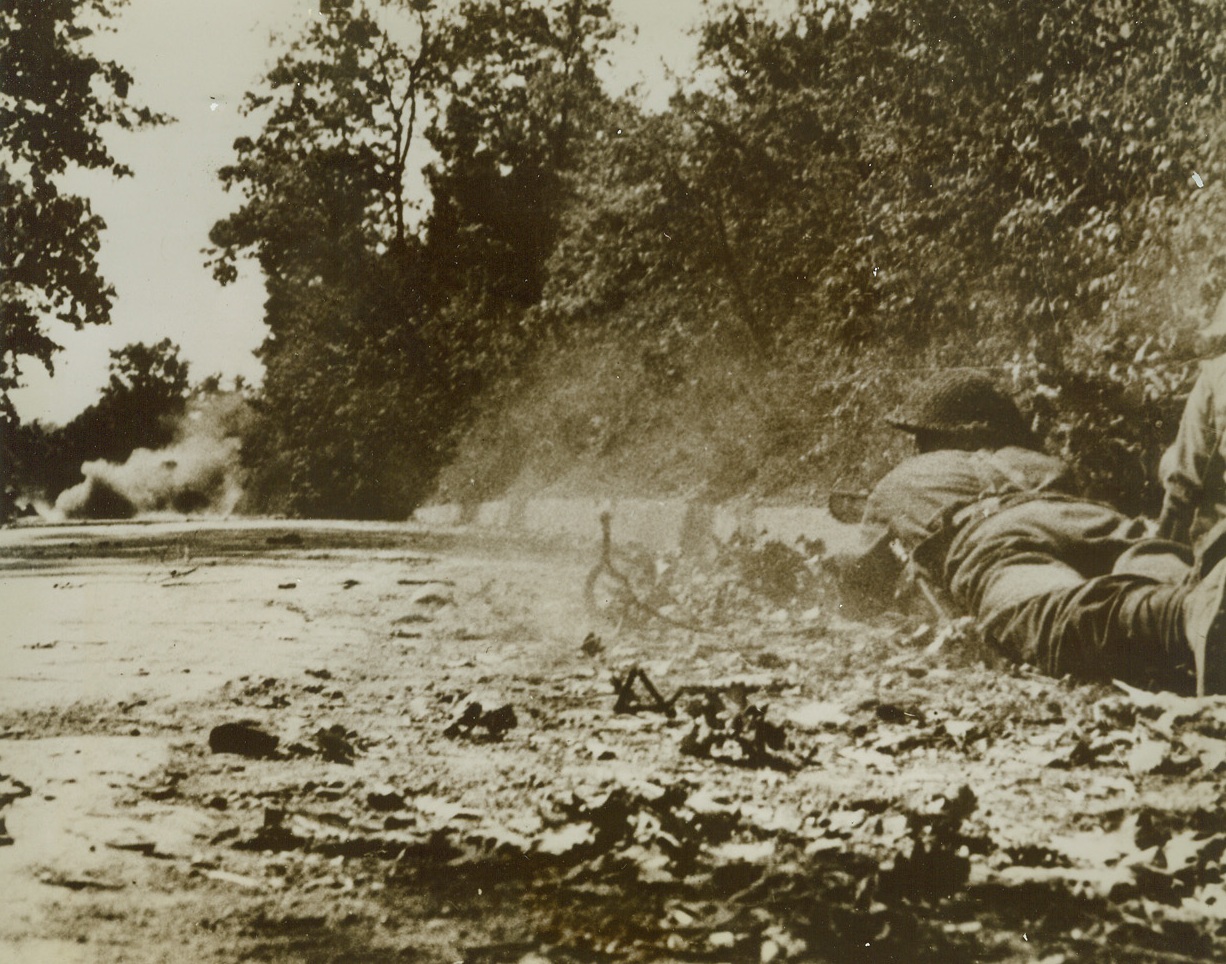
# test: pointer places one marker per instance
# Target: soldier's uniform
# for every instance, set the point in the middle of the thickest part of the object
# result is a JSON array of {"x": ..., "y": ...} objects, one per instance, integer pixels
[
  {"x": 1068, "y": 585},
  {"x": 1193, "y": 469}
]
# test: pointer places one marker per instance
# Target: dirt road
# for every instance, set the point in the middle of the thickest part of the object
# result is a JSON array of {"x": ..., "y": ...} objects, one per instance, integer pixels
[{"x": 327, "y": 742}]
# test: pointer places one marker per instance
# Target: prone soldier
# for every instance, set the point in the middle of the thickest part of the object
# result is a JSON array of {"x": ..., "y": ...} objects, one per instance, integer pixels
[{"x": 1068, "y": 585}]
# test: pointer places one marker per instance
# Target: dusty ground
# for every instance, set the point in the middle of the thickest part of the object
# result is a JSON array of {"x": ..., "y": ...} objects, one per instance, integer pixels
[{"x": 821, "y": 789}]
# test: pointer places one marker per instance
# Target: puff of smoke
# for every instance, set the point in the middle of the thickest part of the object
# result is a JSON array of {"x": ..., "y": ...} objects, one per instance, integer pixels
[{"x": 198, "y": 473}]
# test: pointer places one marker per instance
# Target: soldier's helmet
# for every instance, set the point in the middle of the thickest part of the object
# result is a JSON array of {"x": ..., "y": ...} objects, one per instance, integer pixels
[{"x": 963, "y": 404}]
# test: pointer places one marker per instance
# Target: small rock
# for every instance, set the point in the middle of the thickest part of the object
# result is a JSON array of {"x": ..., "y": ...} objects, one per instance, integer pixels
[
  {"x": 385, "y": 800},
  {"x": 472, "y": 714},
  {"x": 465, "y": 720},
  {"x": 599, "y": 751},
  {"x": 11, "y": 788},
  {"x": 243, "y": 739},
  {"x": 273, "y": 836},
  {"x": 499, "y": 720},
  {"x": 432, "y": 597},
  {"x": 334, "y": 745}
]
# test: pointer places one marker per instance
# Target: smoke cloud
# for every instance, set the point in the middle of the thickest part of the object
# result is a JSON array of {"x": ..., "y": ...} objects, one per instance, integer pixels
[{"x": 199, "y": 473}]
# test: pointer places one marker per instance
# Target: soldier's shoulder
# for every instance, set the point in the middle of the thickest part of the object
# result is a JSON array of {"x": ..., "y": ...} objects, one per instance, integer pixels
[
  {"x": 1025, "y": 456},
  {"x": 1214, "y": 369}
]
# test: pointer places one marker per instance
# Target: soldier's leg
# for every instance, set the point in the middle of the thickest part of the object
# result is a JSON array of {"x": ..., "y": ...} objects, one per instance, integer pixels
[
  {"x": 1068, "y": 587},
  {"x": 1120, "y": 626}
]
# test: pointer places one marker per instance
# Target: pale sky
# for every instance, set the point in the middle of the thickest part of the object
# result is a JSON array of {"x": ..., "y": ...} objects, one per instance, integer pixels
[{"x": 194, "y": 61}]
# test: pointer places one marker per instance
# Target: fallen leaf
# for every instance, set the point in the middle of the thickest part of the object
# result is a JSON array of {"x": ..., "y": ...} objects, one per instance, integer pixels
[
  {"x": 600, "y": 751},
  {"x": 432, "y": 597},
  {"x": 1104, "y": 847},
  {"x": 819, "y": 715},
  {"x": 744, "y": 853},
  {"x": 1212, "y": 751},
  {"x": 959, "y": 729},
  {"x": 559, "y": 842},
  {"x": 1084, "y": 881},
  {"x": 1208, "y": 903},
  {"x": 1183, "y": 850},
  {"x": 244, "y": 739},
  {"x": 385, "y": 799},
  {"x": 872, "y": 759},
  {"x": 1147, "y": 756},
  {"x": 225, "y": 877}
]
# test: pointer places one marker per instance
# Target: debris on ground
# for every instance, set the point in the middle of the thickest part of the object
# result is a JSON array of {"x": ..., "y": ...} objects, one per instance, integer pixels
[
  {"x": 244, "y": 739},
  {"x": 736, "y": 732},
  {"x": 592, "y": 645},
  {"x": 336, "y": 744},
  {"x": 432, "y": 596},
  {"x": 473, "y": 716},
  {"x": 802, "y": 786},
  {"x": 272, "y": 836},
  {"x": 635, "y": 691}
]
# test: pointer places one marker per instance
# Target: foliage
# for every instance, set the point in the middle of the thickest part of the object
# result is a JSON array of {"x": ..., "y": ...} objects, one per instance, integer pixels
[
  {"x": 57, "y": 98},
  {"x": 382, "y": 329},
  {"x": 861, "y": 172},
  {"x": 849, "y": 196},
  {"x": 326, "y": 179},
  {"x": 327, "y": 213},
  {"x": 345, "y": 425},
  {"x": 869, "y": 192},
  {"x": 521, "y": 101}
]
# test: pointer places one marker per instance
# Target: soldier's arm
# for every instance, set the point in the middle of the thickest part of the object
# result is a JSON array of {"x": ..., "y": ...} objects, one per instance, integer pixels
[{"x": 1183, "y": 465}]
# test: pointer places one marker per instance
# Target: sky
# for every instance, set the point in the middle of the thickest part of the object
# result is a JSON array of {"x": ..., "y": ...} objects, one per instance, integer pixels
[{"x": 194, "y": 61}]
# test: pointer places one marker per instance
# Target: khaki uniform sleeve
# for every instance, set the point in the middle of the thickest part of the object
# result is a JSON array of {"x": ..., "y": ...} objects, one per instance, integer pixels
[{"x": 1182, "y": 469}]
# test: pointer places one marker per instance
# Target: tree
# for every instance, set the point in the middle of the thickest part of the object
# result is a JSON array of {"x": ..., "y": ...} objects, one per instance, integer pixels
[
  {"x": 858, "y": 193},
  {"x": 327, "y": 213},
  {"x": 522, "y": 100},
  {"x": 326, "y": 180},
  {"x": 523, "y": 85},
  {"x": 325, "y": 183},
  {"x": 380, "y": 329},
  {"x": 57, "y": 98},
  {"x": 914, "y": 170}
]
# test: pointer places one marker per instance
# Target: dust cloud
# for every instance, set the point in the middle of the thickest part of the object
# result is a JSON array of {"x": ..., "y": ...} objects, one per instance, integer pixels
[{"x": 199, "y": 473}]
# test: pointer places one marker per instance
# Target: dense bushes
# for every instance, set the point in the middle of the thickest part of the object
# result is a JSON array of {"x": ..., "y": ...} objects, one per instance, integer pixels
[
  {"x": 860, "y": 194},
  {"x": 726, "y": 295}
]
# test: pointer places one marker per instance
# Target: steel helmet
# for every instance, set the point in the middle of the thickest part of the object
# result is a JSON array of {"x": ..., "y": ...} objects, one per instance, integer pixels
[{"x": 961, "y": 402}]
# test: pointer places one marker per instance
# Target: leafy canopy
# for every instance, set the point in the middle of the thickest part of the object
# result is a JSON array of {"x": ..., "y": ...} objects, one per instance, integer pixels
[{"x": 58, "y": 98}]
